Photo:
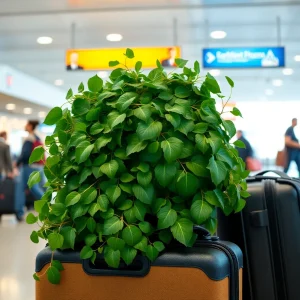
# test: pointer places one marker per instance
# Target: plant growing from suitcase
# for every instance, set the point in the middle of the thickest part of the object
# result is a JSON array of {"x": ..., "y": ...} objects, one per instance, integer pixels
[{"x": 135, "y": 163}]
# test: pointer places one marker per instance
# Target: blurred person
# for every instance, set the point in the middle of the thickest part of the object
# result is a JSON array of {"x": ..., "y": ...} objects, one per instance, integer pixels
[
  {"x": 6, "y": 166},
  {"x": 170, "y": 61},
  {"x": 26, "y": 169},
  {"x": 74, "y": 62},
  {"x": 247, "y": 152},
  {"x": 292, "y": 147}
]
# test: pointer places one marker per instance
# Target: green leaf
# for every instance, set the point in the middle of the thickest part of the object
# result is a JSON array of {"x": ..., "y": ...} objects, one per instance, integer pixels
[
  {"x": 212, "y": 85},
  {"x": 138, "y": 66},
  {"x": 94, "y": 208},
  {"x": 144, "y": 179},
  {"x": 218, "y": 171},
  {"x": 182, "y": 231},
  {"x": 186, "y": 126},
  {"x": 112, "y": 225},
  {"x": 89, "y": 195},
  {"x": 57, "y": 264},
  {"x": 198, "y": 165},
  {"x": 144, "y": 194},
  {"x": 53, "y": 275},
  {"x": 116, "y": 243},
  {"x": 174, "y": 119},
  {"x": 34, "y": 237},
  {"x": 230, "y": 81},
  {"x": 139, "y": 210},
  {"x": 159, "y": 246},
  {"x": 131, "y": 235},
  {"x": 230, "y": 128},
  {"x": 39, "y": 204},
  {"x": 215, "y": 198},
  {"x": 113, "y": 63},
  {"x": 107, "y": 214},
  {"x": 166, "y": 217},
  {"x": 129, "y": 53},
  {"x": 86, "y": 172},
  {"x": 165, "y": 236},
  {"x": 187, "y": 185},
  {"x": 102, "y": 142},
  {"x": 114, "y": 119},
  {"x": 128, "y": 254},
  {"x": 103, "y": 202},
  {"x": 36, "y": 277},
  {"x": 125, "y": 101},
  {"x": 172, "y": 148},
  {"x": 113, "y": 193},
  {"x": 96, "y": 128},
  {"x": 143, "y": 167},
  {"x": 93, "y": 115},
  {"x": 126, "y": 177},
  {"x": 165, "y": 173},
  {"x": 90, "y": 239},
  {"x": 34, "y": 178},
  {"x": 110, "y": 169},
  {"x": 72, "y": 198},
  {"x": 80, "y": 106},
  {"x": 202, "y": 142},
  {"x": 112, "y": 257},
  {"x": 151, "y": 253},
  {"x": 200, "y": 128},
  {"x": 149, "y": 130},
  {"x": 58, "y": 209},
  {"x": 224, "y": 155},
  {"x": 135, "y": 145},
  {"x": 182, "y": 91},
  {"x": 201, "y": 211},
  {"x": 215, "y": 141},
  {"x": 236, "y": 112},
  {"x": 80, "y": 88},
  {"x": 165, "y": 95},
  {"x": 86, "y": 252},
  {"x": 240, "y": 206},
  {"x": 83, "y": 153},
  {"x": 37, "y": 154},
  {"x": 143, "y": 113},
  {"x": 80, "y": 127},
  {"x": 180, "y": 62},
  {"x": 197, "y": 67},
  {"x": 145, "y": 227},
  {"x": 95, "y": 84},
  {"x": 211, "y": 225},
  {"x": 239, "y": 144},
  {"x": 54, "y": 115},
  {"x": 69, "y": 235},
  {"x": 55, "y": 240},
  {"x": 69, "y": 94},
  {"x": 142, "y": 244}
]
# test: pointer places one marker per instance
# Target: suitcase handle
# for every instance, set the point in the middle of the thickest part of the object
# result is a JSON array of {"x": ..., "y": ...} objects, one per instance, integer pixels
[
  {"x": 280, "y": 173},
  {"x": 140, "y": 267},
  {"x": 202, "y": 232}
]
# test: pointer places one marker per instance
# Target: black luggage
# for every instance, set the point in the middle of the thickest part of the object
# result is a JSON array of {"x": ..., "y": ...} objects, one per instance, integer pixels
[
  {"x": 7, "y": 196},
  {"x": 268, "y": 231}
]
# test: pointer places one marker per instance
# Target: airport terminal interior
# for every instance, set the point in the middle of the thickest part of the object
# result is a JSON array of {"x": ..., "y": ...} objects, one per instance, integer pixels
[{"x": 48, "y": 47}]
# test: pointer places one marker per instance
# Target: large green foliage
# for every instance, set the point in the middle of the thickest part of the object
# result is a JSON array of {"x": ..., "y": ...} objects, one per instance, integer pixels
[{"x": 135, "y": 163}]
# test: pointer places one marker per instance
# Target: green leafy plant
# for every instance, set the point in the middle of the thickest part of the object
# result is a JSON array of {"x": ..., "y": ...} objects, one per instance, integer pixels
[{"x": 135, "y": 163}]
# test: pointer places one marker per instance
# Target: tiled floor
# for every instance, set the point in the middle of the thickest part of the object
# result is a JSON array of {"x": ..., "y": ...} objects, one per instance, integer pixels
[{"x": 17, "y": 260}]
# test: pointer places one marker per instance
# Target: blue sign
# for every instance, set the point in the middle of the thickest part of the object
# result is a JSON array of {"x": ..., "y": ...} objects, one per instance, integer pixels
[{"x": 272, "y": 57}]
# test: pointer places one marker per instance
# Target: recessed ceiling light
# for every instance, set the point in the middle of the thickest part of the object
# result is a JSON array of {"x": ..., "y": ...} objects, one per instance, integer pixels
[
  {"x": 45, "y": 40},
  {"x": 287, "y": 71},
  {"x": 297, "y": 58},
  {"x": 215, "y": 72},
  {"x": 27, "y": 110},
  {"x": 58, "y": 82},
  {"x": 10, "y": 106},
  {"x": 114, "y": 37},
  {"x": 218, "y": 34},
  {"x": 42, "y": 114},
  {"x": 269, "y": 92},
  {"x": 277, "y": 82},
  {"x": 102, "y": 74}
]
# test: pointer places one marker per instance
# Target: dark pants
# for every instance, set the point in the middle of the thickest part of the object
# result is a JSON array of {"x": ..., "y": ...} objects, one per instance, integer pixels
[{"x": 292, "y": 156}]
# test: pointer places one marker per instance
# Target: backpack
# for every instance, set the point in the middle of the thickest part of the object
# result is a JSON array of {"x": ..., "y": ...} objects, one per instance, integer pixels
[{"x": 38, "y": 143}]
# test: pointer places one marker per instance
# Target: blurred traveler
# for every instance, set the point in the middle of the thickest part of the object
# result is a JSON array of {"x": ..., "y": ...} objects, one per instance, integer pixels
[
  {"x": 170, "y": 61},
  {"x": 74, "y": 62},
  {"x": 292, "y": 147},
  {"x": 6, "y": 167},
  {"x": 247, "y": 152},
  {"x": 31, "y": 142}
]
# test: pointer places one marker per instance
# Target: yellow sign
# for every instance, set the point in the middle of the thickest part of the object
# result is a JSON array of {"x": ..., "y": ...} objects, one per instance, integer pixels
[{"x": 98, "y": 59}]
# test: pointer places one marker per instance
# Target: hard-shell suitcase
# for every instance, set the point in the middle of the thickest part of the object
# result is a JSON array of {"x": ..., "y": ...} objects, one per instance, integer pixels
[
  {"x": 268, "y": 231},
  {"x": 211, "y": 270},
  {"x": 7, "y": 196}
]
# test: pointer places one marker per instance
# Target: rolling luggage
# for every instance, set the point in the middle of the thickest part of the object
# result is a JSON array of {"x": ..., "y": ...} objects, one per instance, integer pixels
[
  {"x": 268, "y": 231},
  {"x": 7, "y": 196},
  {"x": 211, "y": 270}
]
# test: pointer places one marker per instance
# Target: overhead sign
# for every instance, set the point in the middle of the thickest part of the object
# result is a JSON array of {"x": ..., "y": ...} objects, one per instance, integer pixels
[
  {"x": 98, "y": 59},
  {"x": 272, "y": 57}
]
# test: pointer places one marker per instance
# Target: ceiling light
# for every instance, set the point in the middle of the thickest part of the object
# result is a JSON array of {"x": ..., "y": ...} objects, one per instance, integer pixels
[
  {"x": 58, "y": 82},
  {"x": 102, "y": 74},
  {"x": 44, "y": 40},
  {"x": 287, "y": 71},
  {"x": 42, "y": 114},
  {"x": 277, "y": 82},
  {"x": 269, "y": 92},
  {"x": 10, "y": 106},
  {"x": 215, "y": 72},
  {"x": 27, "y": 110},
  {"x": 218, "y": 34},
  {"x": 114, "y": 37},
  {"x": 297, "y": 58}
]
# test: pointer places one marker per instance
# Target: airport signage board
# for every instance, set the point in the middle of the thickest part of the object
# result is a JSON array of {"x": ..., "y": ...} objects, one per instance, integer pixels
[
  {"x": 248, "y": 57},
  {"x": 98, "y": 59}
]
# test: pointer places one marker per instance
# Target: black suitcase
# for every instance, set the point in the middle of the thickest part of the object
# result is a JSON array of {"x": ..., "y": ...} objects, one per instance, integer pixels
[
  {"x": 7, "y": 196},
  {"x": 268, "y": 232}
]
